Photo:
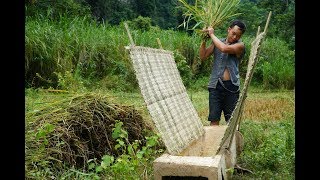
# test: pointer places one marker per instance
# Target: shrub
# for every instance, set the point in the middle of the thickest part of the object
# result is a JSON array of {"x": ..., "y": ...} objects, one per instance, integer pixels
[{"x": 142, "y": 23}]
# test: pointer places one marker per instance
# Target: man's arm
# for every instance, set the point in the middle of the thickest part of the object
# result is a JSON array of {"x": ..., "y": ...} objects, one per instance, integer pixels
[
  {"x": 236, "y": 48},
  {"x": 204, "y": 52}
]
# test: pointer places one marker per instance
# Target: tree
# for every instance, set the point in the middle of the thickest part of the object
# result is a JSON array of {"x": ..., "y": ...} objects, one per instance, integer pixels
[
  {"x": 112, "y": 11},
  {"x": 282, "y": 24}
]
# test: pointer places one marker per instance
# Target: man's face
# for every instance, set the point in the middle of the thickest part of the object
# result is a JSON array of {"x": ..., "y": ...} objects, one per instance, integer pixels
[{"x": 234, "y": 34}]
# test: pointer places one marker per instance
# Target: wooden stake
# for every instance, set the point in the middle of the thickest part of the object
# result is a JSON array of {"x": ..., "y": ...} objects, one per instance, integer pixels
[
  {"x": 258, "y": 32},
  {"x": 267, "y": 23},
  {"x": 159, "y": 43},
  {"x": 128, "y": 31}
]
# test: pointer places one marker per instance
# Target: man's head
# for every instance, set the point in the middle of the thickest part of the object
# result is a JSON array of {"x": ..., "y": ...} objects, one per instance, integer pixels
[
  {"x": 240, "y": 24},
  {"x": 235, "y": 31}
]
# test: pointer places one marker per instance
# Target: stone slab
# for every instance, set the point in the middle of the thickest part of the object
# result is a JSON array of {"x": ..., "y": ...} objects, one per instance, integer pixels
[{"x": 200, "y": 159}]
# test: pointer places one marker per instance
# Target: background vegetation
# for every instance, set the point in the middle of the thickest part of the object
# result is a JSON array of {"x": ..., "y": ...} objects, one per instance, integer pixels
[
  {"x": 76, "y": 37},
  {"x": 78, "y": 46}
]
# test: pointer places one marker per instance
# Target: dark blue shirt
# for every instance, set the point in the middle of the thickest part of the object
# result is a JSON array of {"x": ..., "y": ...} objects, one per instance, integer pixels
[{"x": 222, "y": 61}]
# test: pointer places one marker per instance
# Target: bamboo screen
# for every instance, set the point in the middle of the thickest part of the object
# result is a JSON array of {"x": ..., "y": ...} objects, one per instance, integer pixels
[{"x": 166, "y": 97}]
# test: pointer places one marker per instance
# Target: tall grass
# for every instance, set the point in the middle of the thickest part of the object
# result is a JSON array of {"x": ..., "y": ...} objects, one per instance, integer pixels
[
  {"x": 276, "y": 66},
  {"x": 95, "y": 54},
  {"x": 95, "y": 51},
  {"x": 269, "y": 150}
]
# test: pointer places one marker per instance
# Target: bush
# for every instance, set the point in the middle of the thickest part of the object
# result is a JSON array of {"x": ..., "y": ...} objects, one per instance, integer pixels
[
  {"x": 184, "y": 69},
  {"x": 142, "y": 23},
  {"x": 277, "y": 65}
]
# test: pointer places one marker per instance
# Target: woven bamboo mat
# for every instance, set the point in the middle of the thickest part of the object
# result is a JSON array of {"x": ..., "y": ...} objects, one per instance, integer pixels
[{"x": 166, "y": 97}]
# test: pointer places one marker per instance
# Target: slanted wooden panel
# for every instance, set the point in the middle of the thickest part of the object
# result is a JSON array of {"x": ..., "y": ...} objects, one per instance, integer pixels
[{"x": 166, "y": 97}]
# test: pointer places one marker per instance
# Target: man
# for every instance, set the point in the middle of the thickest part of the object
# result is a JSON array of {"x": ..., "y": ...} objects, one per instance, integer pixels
[{"x": 224, "y": 83}]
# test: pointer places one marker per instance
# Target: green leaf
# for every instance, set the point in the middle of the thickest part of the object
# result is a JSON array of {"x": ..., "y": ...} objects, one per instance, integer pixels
[
  {"x": 91, "y": 166},
  {"x": 121, "y": 143},
  {"x": 117, "y": 146},
  {"x": 130, "y": 150},
  {"x": 98, "y": 169},
  {"x": 140, "y": 154}
]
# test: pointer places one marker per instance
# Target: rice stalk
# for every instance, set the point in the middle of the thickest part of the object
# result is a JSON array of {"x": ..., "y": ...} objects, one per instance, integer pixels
[
  {"x": 208, "y": 13},
  {"x": 76, "y": 129}
]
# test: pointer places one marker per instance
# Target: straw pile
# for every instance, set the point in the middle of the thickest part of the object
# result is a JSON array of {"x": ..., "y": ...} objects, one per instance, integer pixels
[{"x": 78, "y": 129}]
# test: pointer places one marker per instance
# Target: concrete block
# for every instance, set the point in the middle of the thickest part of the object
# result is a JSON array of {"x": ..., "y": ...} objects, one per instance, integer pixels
[
  {"x": 188, "y": 166},
  {"x": 199, "y": 159}
]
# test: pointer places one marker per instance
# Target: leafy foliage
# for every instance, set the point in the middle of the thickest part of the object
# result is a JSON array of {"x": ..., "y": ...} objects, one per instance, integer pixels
[
  {"x": 94, "y": 54},
  {"x": 142, "y": 23},
  {"x": 184, "y": 69},
  {"x": 134, "y": 159},
  {"x": 252, "y": 16},
  {"x": 53, "y": 10},
  {"x": 282, "y": 25},
  {"x": 276, "y": 69},
  {"x": 269, "y": 150}
]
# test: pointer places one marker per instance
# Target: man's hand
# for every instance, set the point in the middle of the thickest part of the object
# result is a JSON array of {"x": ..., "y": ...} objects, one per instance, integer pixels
[
  {"x": 204, "y": 34},
  {"x": 205, "y": 37},
  {"x": 210, "y": 31}
]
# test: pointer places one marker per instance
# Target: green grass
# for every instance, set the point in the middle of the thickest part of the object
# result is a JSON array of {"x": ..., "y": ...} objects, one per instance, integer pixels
[
  {"x": 95, "y": 53},
  {"x": 269, "y": 150},
  {"x": 268, "y": 141}
]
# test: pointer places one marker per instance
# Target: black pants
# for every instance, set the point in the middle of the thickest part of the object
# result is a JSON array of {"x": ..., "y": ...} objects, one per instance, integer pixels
[{"x": 224, "y": 99}]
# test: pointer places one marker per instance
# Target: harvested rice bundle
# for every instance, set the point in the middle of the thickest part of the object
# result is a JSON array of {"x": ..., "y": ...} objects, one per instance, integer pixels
[
  {"x": 208, "y": 13},
  {"x": 78, "y": 129}
]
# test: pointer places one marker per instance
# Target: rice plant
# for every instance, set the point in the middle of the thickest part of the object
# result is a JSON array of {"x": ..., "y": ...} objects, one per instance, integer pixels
[{"x": 208, "y": 13}]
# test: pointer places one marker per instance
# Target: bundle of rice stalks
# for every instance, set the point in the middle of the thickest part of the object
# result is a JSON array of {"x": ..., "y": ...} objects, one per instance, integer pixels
[
  {"x": 78, "y": 129},
  {"x": 208, "y": 13}
]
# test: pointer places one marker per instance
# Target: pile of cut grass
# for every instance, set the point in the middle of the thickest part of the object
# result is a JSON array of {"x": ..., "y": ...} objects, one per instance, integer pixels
[{"x": 77, "y": 129}]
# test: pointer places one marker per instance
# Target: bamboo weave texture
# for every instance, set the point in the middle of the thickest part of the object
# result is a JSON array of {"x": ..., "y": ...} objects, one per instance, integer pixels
[{"x": 166, "y": 97}]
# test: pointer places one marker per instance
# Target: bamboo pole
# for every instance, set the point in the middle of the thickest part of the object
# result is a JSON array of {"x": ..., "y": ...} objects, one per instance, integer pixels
[
  {"x": 159, "y": 43},
  {"x": 236, "y": 115},
  {"x": 128, "y": 31}
]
